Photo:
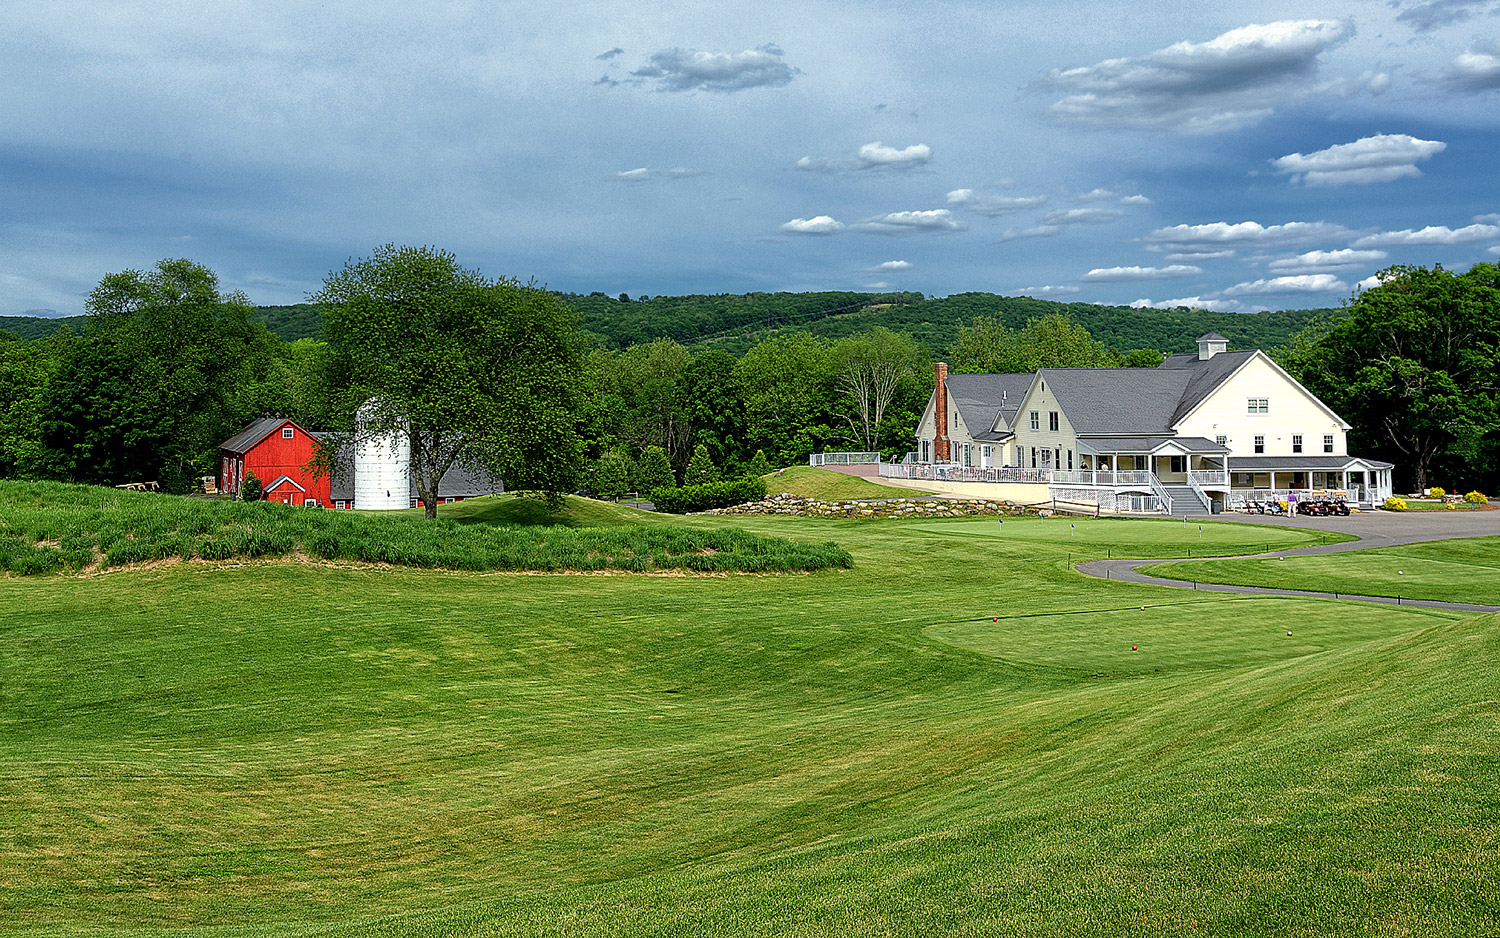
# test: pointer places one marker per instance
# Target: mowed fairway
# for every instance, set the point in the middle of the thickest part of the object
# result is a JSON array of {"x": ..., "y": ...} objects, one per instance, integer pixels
[
  {"x": 953, "y": 737},
  {"x": 1464, "y": 571}
]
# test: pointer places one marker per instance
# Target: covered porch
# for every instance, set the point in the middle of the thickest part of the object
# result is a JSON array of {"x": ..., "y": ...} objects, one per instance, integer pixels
[{"x": 1362, "y": 482}]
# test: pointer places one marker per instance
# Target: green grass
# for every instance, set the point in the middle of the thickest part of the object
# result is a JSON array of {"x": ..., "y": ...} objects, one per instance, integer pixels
[
  {"x": 575, "y": 512},
  {"x": 48, "y": 527},
  {"x": 830, "y": 486},
  {"x": 952, "y": 737},
  {"x": 1461, "y": 571}
]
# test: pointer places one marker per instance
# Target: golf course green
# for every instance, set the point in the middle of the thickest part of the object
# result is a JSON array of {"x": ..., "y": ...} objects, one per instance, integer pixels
[{"x": 956, "y": 735}]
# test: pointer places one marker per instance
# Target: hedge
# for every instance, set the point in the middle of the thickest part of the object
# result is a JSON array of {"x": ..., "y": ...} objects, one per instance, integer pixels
[{"x": 686, "y": 498}]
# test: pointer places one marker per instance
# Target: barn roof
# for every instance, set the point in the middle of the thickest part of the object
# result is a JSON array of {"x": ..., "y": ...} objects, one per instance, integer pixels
[{"x": 245, "y": 440}]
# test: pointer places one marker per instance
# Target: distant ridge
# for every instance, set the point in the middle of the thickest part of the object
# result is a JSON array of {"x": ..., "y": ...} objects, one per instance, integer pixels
[{"x": 735, "y": 322}]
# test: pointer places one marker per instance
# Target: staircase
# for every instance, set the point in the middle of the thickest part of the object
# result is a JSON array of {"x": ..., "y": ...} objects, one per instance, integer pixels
[{"x": 1185, "y": 502}]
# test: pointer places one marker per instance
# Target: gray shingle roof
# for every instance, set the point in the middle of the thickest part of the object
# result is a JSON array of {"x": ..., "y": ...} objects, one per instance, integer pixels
[
  {"x": 1206, "y": 375},
  {"x": 1145, "y": 444},
  {"x": 979, "y": 398},
  {"x": 1303, "y": 463},
  {"x": 245, "y": 440},
  {"x": 1118, "y": 400}
]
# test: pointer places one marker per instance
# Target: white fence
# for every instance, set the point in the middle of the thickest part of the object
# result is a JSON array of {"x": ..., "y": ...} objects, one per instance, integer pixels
[
  {"x": 843, "y": 459},
  {"x": 949, "y": 472},
  {"x": 1101, "y": 477},
  {"x": 1110, "y": 502}
]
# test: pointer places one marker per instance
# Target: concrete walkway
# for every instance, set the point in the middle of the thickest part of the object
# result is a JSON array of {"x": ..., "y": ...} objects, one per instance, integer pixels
[{"x": 1373, "y": 528}]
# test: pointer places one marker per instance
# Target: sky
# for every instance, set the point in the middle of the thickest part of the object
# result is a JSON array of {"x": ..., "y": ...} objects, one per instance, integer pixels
[{"x": 1239, "y": 157}]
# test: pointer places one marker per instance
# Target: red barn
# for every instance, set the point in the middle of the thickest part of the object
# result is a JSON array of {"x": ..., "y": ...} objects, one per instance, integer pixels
[{"x": 277, "y": 451}]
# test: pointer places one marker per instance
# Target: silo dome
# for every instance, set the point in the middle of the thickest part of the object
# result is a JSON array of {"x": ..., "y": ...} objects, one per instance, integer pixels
[{"x": 382, "y": 467}]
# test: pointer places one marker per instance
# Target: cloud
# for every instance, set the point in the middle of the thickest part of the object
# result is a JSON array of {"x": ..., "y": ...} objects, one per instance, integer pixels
[
  {"x": 1039, "y": 231},
  {"x": 1097, "y": 195},
  {"x": 1217, "y": 234},
  {"x": 993, "y": 205},
  {"x": 606, "y": 56},
  {"x": 1234, "y": 80},
  {"x": 1197, "y": 302},
  {"x": 817, "y": 225},
  {"x": 811, "y": 165},
  {"x": 879, "y": 156},
  {"x": 891, "y": 266},
  {"x": 1043, "y": 292},
  {"x": 1135, "y": 200},
  {"x": 1425, "y": 17},
  {"x": 1317, "y": 261},
  {"x": 1431, "y": 235},
  {"x": 634, "y": 175},
  {"x": 880, "y": 285},
  {"x": 1082, "y": 216},
  {"x": 1475, "y": 71},
  {"x": 691, "y": 70},
  {"x": 1301, "y": 283},
  {"x": 606, "y": 81},
  {"x": 642, "y": 173},
  {"x": 1179, "y": 256},
  {"x": 1123, "y": 274},
  {"x": 899, "y": 223},
  {"x": 1490, "y": 219},
  {"x": 1381, "y": 158}
]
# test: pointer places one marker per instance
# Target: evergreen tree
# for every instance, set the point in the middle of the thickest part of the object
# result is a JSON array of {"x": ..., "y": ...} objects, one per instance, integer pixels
[
  {"x": 612, "y": 476},
  {"x": 758, "y": 465},
  {"x": 701, "y": 469},
  {"x": 654, "y": 471}
]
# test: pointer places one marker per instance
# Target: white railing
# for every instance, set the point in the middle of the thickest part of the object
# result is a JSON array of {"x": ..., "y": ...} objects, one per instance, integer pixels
[
  {"x": 843, "y": 459},
  {"x": 950, "y": 472},
  {"x": 1161, "y": 494},
  {"x": 1102, "y": 477},
  {"x": 1218, "y": 478},
  {"x": 1203, "y": 499}
]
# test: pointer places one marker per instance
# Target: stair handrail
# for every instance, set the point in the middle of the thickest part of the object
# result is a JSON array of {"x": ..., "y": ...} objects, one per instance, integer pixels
[
  {"x": 1160, "y": 492},
  {"x": 1208, "y": 504}
]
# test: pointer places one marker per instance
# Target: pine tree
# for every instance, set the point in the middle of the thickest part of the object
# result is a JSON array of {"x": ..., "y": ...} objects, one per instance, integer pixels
[
  {"x": 758, "y": 465},
  {"x": 701, "y": 469},
  {"x": 612, "y": 477},
  {"x": 654, "y": 471}
]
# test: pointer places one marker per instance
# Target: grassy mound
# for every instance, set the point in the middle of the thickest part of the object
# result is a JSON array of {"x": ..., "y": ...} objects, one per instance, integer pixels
[
  {"x": 1460, "y": 571},
  {"x": 830, "y": 486},
  {"x": 575, "y": 512},
  {"x": 51, "y": 527}
]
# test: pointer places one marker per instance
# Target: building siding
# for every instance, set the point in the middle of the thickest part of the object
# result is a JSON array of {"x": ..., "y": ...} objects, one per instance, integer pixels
[{"x": 1291, "y": 411}]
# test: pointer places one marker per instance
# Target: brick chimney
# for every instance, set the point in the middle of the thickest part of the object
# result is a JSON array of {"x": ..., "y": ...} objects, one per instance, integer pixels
[{"x": 941, "y": 451}]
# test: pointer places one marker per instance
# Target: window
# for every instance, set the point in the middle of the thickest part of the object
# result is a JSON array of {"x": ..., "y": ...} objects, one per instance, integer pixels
[
  {"x": 1260, "y": 444},
  {"x": 968, "y": 455},
  {"x": 1258, "y": 405},
  {"x": 286, "y": 433},
  {"x": 1046, "y": 459},
  {"x": 1036, "y": 420},
  {"x": 1178, "y": 463},
  {"x": 927, "y": 451},
  {"x": 1070, "y": 459},
  {"x": 1033, "y": 454},
  {"x": 1052, "y": 421},
  {"x": 1221, "y": 440},
  {"x": 1328, "y": 442},
  {"x": 1296, "y": 442}
]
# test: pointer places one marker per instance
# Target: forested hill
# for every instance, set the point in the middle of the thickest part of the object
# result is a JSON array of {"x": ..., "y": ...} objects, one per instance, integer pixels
[{"x": 735, "y": 322}]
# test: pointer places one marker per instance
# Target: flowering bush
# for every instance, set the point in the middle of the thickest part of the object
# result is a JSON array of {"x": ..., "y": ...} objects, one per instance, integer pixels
[
  {"x": 1394, "y": 504},
  {"x": 1436, "y": 492},
  {"x": 1475, "y": 498}
]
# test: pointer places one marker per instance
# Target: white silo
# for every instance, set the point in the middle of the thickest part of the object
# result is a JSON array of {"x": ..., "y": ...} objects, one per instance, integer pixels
[{"x": 382, "y": 468}]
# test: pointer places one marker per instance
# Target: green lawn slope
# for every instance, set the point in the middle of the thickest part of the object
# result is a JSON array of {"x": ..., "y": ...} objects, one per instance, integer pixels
[
  {"x": 829, "y": 485},
  {"x": 574, "y": 512},
  {"x": 960, "y": 735},
  {"x": 1461, "y": 571}
]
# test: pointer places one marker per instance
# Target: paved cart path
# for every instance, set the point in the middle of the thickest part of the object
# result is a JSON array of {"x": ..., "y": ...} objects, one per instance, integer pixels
[{"x": 1374, "y": 529}]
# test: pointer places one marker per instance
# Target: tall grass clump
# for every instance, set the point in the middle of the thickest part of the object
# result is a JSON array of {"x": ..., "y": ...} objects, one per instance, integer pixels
[{"x": 50, "y": 527}]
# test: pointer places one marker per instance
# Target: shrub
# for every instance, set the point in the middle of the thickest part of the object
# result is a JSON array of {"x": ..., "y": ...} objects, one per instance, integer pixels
[
  {"x": 252, "y": 488},
  {"x": 612, "y": 477},
  {"x": 1436, "y": 492},
  {"x": 654, "y": 470},
  {"x": 1475, "y": 498},
  {"x": 709, "y": 495},
  {"x": 701, "y": 468},
  {"x": 1394, "y": 504},
  {"x": 758, "y": 465}
]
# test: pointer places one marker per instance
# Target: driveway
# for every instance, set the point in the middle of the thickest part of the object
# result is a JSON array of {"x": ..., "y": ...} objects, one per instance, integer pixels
[{"x": 1373, "y": 528}]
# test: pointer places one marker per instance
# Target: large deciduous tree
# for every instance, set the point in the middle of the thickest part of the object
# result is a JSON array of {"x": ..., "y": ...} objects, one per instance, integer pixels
[
  {"x": 149, "y": 390},
  {"x": 1051, "y": 341},
  {"x": 872, "y": 366},
  {"x": 477, "y": 372},
  {"x": 1415, "y": 367}
]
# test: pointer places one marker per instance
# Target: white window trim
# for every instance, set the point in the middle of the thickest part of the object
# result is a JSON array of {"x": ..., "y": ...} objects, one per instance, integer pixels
[{"x": 287, "y": 433}]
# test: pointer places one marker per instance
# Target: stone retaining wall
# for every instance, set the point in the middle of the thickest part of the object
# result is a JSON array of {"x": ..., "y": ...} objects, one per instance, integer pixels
[{"x": 782, "y": 504}]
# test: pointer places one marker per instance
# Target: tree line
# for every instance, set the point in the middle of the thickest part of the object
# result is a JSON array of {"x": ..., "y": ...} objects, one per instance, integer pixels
[{"x": 503, "y": 375}]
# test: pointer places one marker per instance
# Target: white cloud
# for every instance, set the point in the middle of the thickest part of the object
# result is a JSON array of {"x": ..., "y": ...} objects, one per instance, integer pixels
[
  {"x": 1491, "y": 219},
  {"x": 880, "y": 285},
  {"x": 992, "y": 205},
  {"x": 1197, "y": 302},
  {"x": 634, "y": 175},
  {"x": 1381, "y": 158},
  {"x": 1135, "y": 200},
  {"x": 1220, "y": 233},
  {"x": 1434, "y": 14},
  {"x": 1180, "y": 256},
  {"x": 879, "y": 156},
  {"x": 1044, "y": 292},
  {"x": 1316, "y": 261},
  {"x": 897, "y": 223},
  {"x": 1475, "y": 71},
  {"x": 1097, "y": 195},
  {"x": 642, "y": 173},
  {"x": 1231, "y": 81},
  {"x": 1431, "y": 235},
  {"x": 691, "y": 70},
  {"x": 1174, "y": 272},
  {"x": 1082, "y": 216},
  {"x": 817, "y": 225},
  {"x": 1038, "y": 231},
  {"x": 891, "y": 266},
  {"x": 1301, "y": 283},
  {"x": 818, "y": 165}
]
